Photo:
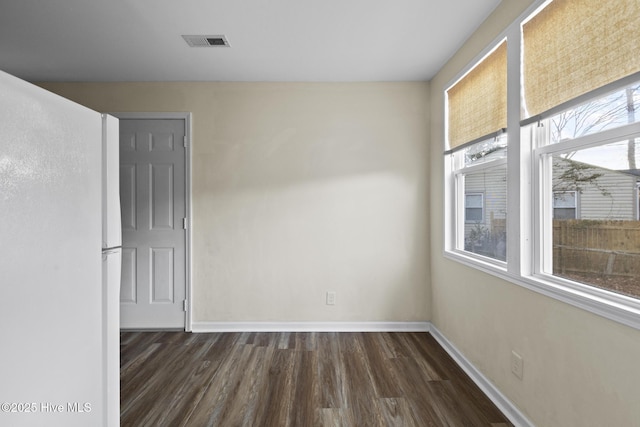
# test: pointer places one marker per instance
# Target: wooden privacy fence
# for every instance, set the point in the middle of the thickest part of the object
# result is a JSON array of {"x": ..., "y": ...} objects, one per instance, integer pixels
[{"x": 609, "y": 248}]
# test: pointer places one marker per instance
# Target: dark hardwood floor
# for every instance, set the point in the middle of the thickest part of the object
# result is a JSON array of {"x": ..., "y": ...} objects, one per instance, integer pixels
[{"x": 296, "y": 379}]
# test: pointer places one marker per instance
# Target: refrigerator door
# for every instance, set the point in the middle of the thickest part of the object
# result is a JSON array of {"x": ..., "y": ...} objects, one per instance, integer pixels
[
  {"x": 111, "y": 223},
  {"x": 50, "y": 263},
  {"x": 111, "y": 270}
]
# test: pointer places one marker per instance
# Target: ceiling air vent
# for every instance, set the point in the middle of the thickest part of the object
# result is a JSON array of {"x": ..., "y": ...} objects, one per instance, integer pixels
[{"x": 207, "y": 41}]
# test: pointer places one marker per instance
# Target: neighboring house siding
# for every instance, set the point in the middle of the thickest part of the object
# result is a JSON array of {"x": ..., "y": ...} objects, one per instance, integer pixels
[
  {"x": 614, "y": 196},
  {"x": 619, "y": 204}
]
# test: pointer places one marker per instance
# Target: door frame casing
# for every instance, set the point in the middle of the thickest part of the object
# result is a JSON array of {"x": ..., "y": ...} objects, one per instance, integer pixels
[{"x": 186, "y": 116}]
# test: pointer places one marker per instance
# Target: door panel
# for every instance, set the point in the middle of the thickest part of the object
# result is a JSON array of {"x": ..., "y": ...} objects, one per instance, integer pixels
[
  {"x": 128, "y": 196},
  {"x": 128, "y": 283},
  {"x": 152, "y": 159},
  {"x": 162, "y": 275},
  {"x": 161, "y": 181}
]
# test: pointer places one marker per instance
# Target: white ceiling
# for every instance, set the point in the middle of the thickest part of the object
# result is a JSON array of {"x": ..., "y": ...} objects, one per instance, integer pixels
[{"x": 271, "y": 40}]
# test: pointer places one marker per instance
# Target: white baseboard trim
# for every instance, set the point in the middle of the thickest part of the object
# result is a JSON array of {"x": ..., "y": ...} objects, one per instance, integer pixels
[
  {"x": 488, "y": 388},
  {"x": 310, "y": 327}
]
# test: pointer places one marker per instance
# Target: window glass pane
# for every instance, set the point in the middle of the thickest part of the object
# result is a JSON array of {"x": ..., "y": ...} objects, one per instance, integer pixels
[
  {"x": 611, "y": 111},
  {"x": 564, "y": 199},
  {"x": 473, "y": 201},
  {"x": 599, "y": 246},
  {"x": 564, "y": 213},
  {"x": 485, "y": 151},
  {"x": 473, "y": 214},
  {"x": 485, "y": 229},
  {"x": 474, "y": 206}
]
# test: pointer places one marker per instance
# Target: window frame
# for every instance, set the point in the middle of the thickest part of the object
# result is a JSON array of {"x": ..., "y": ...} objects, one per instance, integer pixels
[
  {"x": 459, "y": 198},
  {"x": 638, "y": 200},
  {"x": 543, "y": 158},
  {"x": 526, "y": 210}
]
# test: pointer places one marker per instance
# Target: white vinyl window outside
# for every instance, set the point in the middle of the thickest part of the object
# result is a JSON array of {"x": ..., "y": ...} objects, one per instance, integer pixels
[
  {"x": 565, "y": 205},
  {"x": 473, "y": 208}
]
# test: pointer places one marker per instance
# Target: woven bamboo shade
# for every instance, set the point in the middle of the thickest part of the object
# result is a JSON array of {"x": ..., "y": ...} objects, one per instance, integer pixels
[
  {"x": 574, "y": 46},
  {"x": 478, "y": 102}
]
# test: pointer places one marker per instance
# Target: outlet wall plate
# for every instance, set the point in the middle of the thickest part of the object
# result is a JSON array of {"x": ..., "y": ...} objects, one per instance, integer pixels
[
  {"x": 517, "y": 364},
  {"x": 331, "y": 298}
]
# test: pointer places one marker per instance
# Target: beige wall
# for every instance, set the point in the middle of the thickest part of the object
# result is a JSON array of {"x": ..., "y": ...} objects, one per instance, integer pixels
[
  {"x": 579, "y": 369},
  {"x": 299, "y": 189}
]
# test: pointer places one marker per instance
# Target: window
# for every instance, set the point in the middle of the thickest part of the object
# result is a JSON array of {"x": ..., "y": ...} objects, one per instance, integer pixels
[
  {"x": 485, "y": 234},
  {"x": 566, "y": 199},
  {"x": 481, "y": 183},
  {"x": 564, "y": 205},
  {"x": 474, "y": 207},
  {"x": 593, "y": 172},
  {"x": 478, "y": 142}
]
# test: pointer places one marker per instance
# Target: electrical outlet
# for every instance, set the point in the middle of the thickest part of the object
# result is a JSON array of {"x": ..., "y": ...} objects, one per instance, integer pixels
[
  {"x": 331, "y": 298},
  {"x": 517, "y": 364}
]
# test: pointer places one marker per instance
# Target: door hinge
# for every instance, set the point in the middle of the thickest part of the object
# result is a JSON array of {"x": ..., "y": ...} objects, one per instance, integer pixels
[
  {"x": 184, "y": 305},
  {"x": 184, "y": 223},
  {"x": 184, "y": 141}
]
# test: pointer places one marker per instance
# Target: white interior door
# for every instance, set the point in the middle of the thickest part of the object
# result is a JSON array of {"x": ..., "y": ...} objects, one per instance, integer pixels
[{"x": 152, "y": 195}]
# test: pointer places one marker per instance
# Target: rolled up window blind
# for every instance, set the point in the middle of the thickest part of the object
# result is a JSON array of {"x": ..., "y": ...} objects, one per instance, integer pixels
[
  {"x": 574, "y": 46},
  {"x": 477, "y": 104}
]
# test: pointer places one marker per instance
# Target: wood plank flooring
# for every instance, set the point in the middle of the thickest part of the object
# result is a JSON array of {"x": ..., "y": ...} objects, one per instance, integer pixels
[{"x": 296, "y": 379}]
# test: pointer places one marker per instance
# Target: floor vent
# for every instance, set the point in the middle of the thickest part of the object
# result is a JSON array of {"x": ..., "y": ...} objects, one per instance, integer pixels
[{"x": 207, "y": 41}]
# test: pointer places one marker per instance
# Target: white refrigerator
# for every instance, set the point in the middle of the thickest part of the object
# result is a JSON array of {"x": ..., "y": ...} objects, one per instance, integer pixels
[{"x": 60, "y": 261}]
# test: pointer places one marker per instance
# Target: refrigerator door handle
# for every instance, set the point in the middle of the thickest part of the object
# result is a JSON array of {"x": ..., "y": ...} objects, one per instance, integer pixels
[{"x": 108, "y": 251}]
